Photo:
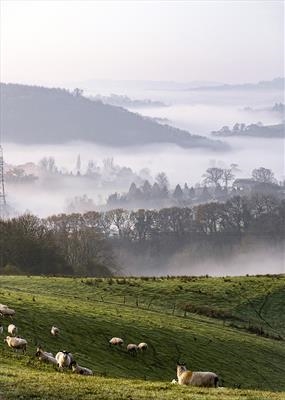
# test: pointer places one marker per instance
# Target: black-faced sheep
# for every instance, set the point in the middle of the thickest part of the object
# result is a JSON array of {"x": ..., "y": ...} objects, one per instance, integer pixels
[
  {"x": 116, "y": 341},
  {"x": 45, "y": 356},
  {"x": 77, "y": 369},
  {"x": 12, "y": 329},
  {"x": 64, "y": 359},
  {"x": 196, "y": 378},
  {"x": 16, "y": 343},
  {"x": 132, "y": 349},
  {"x": 142, "y": 346},
  {"x": 54, "y": 331}
]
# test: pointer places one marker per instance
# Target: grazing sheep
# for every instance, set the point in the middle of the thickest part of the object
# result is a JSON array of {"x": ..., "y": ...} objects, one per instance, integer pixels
[
  {"x": 5, "y": 311},
  {"x": 64, "y": 359},
  {"x": 142, "y": 346},
  {"x": 12, "y": 329},
  {"x": 116, "y": 341},
  {"x": 16, "y": 343},
  {"x": 54, "y": 331},
  {"x": 77, "y": 369},
  {"x": 197, "y": 378},
  {"x": 132, "y": 349},
  {"x": 45, "y": 356}
]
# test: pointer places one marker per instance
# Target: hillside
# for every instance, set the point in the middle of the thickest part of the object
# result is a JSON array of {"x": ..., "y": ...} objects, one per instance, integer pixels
[
  {"x": 31, "y": 114},
  {"x": 252, "y": 130},
  {"x": 90, "y": 311}
]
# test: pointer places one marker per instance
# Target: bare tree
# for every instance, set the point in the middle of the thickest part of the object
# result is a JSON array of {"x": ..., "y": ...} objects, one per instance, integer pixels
[
  {"x": 227, "y": 176},
  {"x": 213, "y": 176},
  {"x": 263, "y": 175}
]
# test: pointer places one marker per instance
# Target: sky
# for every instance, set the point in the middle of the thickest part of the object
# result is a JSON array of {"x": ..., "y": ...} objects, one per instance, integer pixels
[{"x": 57, "y": 42}]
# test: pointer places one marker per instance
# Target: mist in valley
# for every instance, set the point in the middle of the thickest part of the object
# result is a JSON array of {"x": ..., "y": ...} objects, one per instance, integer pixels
[
  {"x": 196, "y": 112},
  {"x": 259, "y": 260}
]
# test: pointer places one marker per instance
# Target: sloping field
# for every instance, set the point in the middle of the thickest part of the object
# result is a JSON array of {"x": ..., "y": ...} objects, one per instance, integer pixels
[{"x": 91, "y": 311}]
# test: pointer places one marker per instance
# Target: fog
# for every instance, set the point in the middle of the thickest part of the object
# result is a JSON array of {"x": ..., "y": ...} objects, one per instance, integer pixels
[
  {"x": 260, "y": 259},
  {"x": 197, "y": 112}
]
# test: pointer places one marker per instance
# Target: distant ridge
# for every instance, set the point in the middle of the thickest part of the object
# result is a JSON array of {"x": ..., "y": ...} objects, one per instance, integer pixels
[
  {"x": 274, "y": 84},
  {"x": 34, "y": 115}
]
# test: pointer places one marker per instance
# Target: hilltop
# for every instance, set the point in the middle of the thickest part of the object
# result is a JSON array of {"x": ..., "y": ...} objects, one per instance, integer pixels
[
  {"x": 233, "y": 326},
  {"x": 36, "y": 115}
]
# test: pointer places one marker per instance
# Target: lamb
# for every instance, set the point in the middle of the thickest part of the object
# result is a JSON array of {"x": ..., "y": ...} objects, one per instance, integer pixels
[
  {"x": 12, "y": 329},
  {"x": 45, "y": 356},
  {"x": 116, "y": 341},
  {"x": 132, "y": 349},
  {"x": 142, "y": 346},
  {"x": 6, "y": 311},
  {"x": 16, "y": 343},
  {"x": 197, "y": 378},
  {"x": 54, "y": 331},
  {"x": 64, "y": 359},
  {"x": 77, "y": 369}
]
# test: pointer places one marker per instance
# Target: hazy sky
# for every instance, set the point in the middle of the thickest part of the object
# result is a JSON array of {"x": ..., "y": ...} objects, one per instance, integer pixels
[{"x": 56, "y": 42}]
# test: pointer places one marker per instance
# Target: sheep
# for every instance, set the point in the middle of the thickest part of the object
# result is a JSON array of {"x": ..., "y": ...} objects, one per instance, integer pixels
[
  {"x": 132, "y": 349},
  {"x": 116, "y": 341},
  {"x": 6, "y": 311},
  {"x": 45, "y": 356},
  {"x": 77, "y": 369},
  {"x": 54, "y": 331},
  {"x": 142, "y": 346},
  {"x": 64, "y": 359},
  {"x": 16, "y": 343},
  {"x": 12, "y": 329},
  {"x": 197, "y": 378}
]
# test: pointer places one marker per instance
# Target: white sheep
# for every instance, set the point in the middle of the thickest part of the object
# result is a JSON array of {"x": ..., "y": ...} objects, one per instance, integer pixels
[
  {"x": 12, "y": 329},
  {"x": 6, "y": 311},
  {"x": 196, "y": 378},
  {"x": 64, "y": 359},
  {"x": 132, "y": 349},
  {"x": 77, "y": 369},
  {"x": 16, "y": 343},
  {"x": 54, "y": 331},
  {"x": 116, "y": 341},
  {"x": 142, "y": 346},
  {"x": 45, "y": 356}
]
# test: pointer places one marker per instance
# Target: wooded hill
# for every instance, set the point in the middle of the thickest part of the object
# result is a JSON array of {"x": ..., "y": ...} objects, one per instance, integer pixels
[{"x": 32, "y": 114}]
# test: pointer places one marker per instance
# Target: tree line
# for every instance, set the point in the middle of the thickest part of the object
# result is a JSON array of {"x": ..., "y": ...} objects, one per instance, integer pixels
[{"x": 89, "y": 243}]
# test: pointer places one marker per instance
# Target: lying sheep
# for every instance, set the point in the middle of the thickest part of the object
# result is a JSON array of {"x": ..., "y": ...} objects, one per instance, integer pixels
[
  {"x": 116, "y": 341},
  {"x": 64, "y": 359},
  {"x": 12, "y": 329},
  {"x": 54, "y": 331},
  {"x": 132, "y": 349},
  {"x": 142, "y": 346},
  {"x": 16, "y": 343},
  {"x": 197, "y": 378},
  {"x": 45, "y": 356},
  {"x": 5, "y": 311},
  {"x": 77, "y": 369}
]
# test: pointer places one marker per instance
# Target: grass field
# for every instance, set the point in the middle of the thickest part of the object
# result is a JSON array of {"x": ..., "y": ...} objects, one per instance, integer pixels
[{"x": 90, "y": 311}]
